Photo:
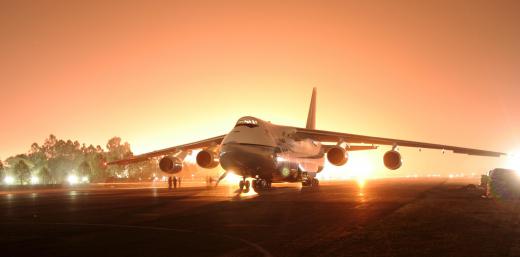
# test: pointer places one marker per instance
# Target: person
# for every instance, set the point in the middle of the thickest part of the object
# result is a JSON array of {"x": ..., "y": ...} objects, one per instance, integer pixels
[
  {"x": 170, "y": 183},
  {"x": 179, "y": 180},
  {"x": 174, "y": 182}
]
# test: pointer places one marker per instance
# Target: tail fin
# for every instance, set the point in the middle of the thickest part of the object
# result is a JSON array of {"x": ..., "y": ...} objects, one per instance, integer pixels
[{"x": 311, "y": 117}]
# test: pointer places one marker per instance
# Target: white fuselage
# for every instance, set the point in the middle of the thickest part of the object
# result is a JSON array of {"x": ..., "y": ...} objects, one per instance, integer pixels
[{"x": 255, "y": 148}]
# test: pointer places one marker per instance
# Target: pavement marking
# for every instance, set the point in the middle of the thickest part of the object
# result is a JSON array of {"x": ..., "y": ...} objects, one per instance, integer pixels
[{"x": 257, "y": 247}]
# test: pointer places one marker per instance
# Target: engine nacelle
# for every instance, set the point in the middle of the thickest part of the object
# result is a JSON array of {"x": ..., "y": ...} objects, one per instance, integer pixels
[
  {"x": 207, "y": 159},
  {"x": 170, "y": 164},
  {"x": 337, "y": 155},
  {"x": 392, "y": 160}
]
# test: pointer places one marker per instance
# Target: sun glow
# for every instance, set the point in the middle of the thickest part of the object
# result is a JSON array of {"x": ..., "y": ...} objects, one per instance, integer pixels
[{"x": 513, "y": 161}]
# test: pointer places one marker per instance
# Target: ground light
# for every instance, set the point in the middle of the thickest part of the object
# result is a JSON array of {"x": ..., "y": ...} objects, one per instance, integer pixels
[
  {"x": 35, "y": 180},
  {"x": 84, "y": 179},
  {"x": 8, "y": 180},
  {"x": 72, "y": 179}
]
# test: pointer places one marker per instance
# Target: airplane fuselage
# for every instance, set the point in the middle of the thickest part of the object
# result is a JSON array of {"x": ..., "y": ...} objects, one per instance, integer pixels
[{"x": 255, "y": 148}]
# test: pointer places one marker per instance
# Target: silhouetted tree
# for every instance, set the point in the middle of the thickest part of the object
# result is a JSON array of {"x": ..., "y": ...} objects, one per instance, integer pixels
[
  {"x": 36, "y": 157},
  {"x": 21, "y": 169},
  {"x": 117, "y": 151},
  {"x": 56, "y": 158},
  {"x": 84, "y": 170},
  {"x": 149, "y": 168},
  {"x": 45, "y": 175},
  {"x": 2, "y": 172}
]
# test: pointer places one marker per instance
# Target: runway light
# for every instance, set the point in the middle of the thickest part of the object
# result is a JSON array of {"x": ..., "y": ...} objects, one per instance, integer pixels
[
  {"x": 35, "y": 180},
  {"x": 72, "y": 179},
  {"x": 8, "y": 180}
]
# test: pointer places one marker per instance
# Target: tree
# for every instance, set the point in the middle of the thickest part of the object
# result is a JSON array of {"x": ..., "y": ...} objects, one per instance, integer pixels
[
  {"x": 36, "y": 157},
  {"x": 117, "y": 151},
  {"x": 21, "y": 169},
  {"x": 84, "y": 170},
  {"x": 45, "y": 175},
  {"x": 2, "y": 172}
]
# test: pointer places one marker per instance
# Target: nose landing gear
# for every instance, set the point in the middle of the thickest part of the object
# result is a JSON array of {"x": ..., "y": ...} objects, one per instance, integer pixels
[{"x": 244, "y": 184}]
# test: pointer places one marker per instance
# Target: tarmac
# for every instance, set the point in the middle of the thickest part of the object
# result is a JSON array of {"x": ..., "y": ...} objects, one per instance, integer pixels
[{"x": 384, "y": 217}]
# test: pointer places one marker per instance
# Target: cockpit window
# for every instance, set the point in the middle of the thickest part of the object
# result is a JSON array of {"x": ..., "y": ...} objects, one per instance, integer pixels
[{"x": 247, "y": 122}]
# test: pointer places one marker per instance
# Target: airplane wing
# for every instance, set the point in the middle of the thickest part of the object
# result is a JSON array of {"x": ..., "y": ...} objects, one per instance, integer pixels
[
  {"x": 330, "y": 136},
  {"x": 171, "y": 150}
]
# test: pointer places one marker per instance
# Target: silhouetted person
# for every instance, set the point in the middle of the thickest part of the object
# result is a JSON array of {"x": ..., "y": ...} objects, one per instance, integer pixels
[
  {"x": 179, "y": 180},
  {"x": 169, "y": 183},
  {"x": 174, "y": 182}
]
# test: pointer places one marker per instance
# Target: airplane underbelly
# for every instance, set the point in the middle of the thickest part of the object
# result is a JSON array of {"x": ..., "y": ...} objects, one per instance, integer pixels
[{"x": 289, "y": 169}]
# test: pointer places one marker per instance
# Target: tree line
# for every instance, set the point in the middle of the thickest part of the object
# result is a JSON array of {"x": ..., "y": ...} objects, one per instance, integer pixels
[{"x": 56, "y": 159}]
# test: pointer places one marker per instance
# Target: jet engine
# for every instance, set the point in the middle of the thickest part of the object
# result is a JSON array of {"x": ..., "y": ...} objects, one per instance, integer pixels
[
  {"x": 170, "y": 164},
  {"x": 337, "y": 155},
  {"x": 207, "y": 158},
  {"x": 392, "y": 160}
]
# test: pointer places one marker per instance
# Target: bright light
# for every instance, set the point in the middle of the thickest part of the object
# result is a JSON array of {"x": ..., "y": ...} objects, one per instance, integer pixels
[
  {"x": 192, "y": 157},
  {"x": 231, "y": 179},
  {"x": 84, "y": 179},
  {"x": 72, "y": 179},
  {"x": 35, "y": 180},
  {"x": 8, "y": 180},
  {"x": 359, "y": 165},
  {"x": 361, "y": 182},
  {"x": 513, "y": 161}
]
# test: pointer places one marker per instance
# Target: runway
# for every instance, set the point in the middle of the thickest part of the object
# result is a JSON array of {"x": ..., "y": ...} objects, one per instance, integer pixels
[{"x": 387, "y": 217}]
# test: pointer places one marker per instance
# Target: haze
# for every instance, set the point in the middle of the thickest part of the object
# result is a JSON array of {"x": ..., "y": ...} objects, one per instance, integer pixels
[{"x": 161, "y": 73}]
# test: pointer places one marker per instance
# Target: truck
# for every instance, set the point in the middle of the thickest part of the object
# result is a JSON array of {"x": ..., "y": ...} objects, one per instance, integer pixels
[{"x": 501, "y": 183}]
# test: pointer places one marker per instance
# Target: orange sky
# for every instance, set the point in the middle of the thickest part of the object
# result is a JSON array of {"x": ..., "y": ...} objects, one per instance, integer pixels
[{"x": 159, "y": 73}]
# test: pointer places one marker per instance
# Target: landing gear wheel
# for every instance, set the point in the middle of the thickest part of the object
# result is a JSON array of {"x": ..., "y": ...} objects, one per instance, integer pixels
[
  {"x": 241, "y": 185},
  {"x": 312, "y": 182},
  {"x": 247, "y": 184},
  {"x": 261, "y": 185}
]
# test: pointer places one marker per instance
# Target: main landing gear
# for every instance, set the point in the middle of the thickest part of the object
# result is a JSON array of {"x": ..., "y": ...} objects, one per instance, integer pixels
[
  {"x": 311, "y": 182},
  {"x": 244, "y": 185},
  {"x": 261, "y": 184}
]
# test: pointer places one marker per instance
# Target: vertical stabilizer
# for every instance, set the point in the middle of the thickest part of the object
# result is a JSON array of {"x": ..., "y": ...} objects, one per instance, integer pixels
[{"x": 311, "y": 118}]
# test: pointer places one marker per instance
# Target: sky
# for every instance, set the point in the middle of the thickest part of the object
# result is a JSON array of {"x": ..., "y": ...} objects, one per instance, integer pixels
[{"x": 162, "y": 73}]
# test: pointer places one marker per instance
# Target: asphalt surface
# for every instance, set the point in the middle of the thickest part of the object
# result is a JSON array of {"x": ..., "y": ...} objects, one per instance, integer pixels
[{"x": 391, "y": 217}]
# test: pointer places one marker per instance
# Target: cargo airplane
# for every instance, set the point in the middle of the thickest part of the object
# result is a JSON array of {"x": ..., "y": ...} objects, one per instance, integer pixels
[{"x": 271, "y": 153}]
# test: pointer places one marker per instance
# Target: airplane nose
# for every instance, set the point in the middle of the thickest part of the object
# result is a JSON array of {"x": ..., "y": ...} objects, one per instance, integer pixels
[{"x": 245, "y": 159}]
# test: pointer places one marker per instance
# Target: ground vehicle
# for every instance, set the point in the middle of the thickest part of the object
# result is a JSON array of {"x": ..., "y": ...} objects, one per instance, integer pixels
[{"x": 502, "y": 183}]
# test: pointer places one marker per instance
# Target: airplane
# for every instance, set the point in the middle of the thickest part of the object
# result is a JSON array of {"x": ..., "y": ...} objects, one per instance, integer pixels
[{"x": 271, "y": 153}]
